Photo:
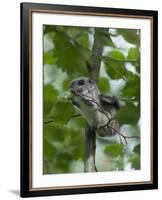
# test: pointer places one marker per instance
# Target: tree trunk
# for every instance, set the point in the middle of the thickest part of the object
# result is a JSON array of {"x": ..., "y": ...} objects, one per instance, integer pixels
[
  {"x": 90, "y": 134},
  {"x": 90, "y": 148}
]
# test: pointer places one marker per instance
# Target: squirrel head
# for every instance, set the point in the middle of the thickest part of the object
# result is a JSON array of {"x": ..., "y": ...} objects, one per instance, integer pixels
[{"x": 83, "y": 85}]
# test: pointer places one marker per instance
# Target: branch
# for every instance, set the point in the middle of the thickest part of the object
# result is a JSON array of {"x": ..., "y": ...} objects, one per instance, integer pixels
[
  {"x": 107, "y": 58},
  {"x": 109, "y": 120},
  {"x": 73, "y": 116},
  {"x": 90, "y": 148},
  {"x": 94, "y": 65}
]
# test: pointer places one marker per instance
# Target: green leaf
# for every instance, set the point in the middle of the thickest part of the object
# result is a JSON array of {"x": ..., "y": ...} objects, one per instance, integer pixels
[
  {"x": 48, "y": 57},
  {"x": 114, "y": 149},
  {"x": 116, "y": 55},
  {"x": 114, "y": 69},
  {"x": 80, "y": 121},
  {"x": 131, "y": 90},
  {"x": 49, "y": 93},
  {"x": 68, "y": 145},
  {"x": 53, "y": 132},
  {"x": 47, "y": 29},
  {"x": 62, "y": 164},
  {"x": 133, "y": 54},
  {"x": 70, "y": 57},
  {"x": 135, "y": 161},
  {"x": 66, "y": 84},
  {"x": 132, "y": 87},
  {"x": 130, "y": 35},
  {"x": 48, "y": 148},
  {"x": 104, "y": 38},
  {"x": 103, "y": 85},
  {"x": 128, "y": 114},
  {"x": 115, "y": 64},
  {"x": 49, "y": 97},
  {"x": 62, "y": 112},
  {"x": 83, "y": 39},
  {"x": 137, "y": 149},
  {"x": 78, "y": 34}
]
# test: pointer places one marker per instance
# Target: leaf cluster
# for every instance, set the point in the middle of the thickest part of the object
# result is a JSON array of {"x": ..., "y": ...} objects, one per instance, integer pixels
[{"x": 66, "y": 59}]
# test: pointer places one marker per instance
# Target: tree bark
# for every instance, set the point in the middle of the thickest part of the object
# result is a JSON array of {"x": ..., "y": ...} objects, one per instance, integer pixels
[
  {"x": 95, "y": 61},
  {"x": 90, "y": 148},
  {"x": 90, "y": 134}
]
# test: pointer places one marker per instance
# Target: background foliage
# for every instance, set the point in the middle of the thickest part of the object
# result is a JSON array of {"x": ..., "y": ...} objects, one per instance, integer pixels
[{"x": 66, "y": 53}]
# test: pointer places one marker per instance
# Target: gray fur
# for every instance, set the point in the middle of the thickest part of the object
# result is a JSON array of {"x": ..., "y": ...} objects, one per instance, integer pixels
[{"x": 99, "y": 110}]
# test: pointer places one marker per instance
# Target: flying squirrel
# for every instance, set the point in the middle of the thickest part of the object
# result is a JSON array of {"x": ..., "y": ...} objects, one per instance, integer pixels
[{"x": 98, "y": 110}]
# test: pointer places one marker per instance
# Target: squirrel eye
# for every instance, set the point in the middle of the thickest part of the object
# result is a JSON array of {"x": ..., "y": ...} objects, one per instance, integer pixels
[{"x": 81, "y": 82}]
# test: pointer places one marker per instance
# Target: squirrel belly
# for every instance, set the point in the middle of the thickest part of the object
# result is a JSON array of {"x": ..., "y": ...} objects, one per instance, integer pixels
[
  {"x": 88, "y": 112},
  {"x": 95, "y": 118}
]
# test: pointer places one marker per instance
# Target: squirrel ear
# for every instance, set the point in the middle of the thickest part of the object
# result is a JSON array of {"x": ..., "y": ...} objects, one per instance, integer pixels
[{"x": 91, "y": 80}]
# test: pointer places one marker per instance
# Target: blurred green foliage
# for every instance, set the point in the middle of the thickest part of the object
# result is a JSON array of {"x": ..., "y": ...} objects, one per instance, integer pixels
[{"x": 66, "y": 53}]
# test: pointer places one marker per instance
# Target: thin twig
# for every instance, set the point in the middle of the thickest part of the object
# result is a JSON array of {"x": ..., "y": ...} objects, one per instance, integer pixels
[
  {"x": 109, "y": 120},
  {"x": 50, "y": 121},
  {"x": 107, "y": 58},
  {"x": 93, "y": 101},
  {"x": 73, "y": 116}
]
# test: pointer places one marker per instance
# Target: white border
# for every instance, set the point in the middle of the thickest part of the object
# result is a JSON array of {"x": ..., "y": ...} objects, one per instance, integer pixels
[{"x": 40, "y": 180}]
